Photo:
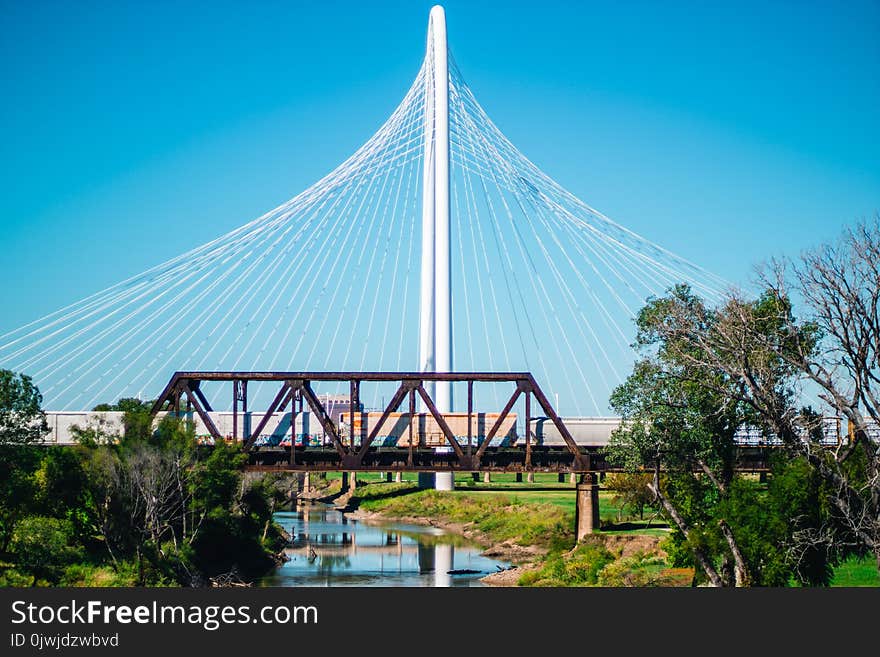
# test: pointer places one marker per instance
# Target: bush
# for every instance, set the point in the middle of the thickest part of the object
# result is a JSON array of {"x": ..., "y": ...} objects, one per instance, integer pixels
[
  {"x": 580, "y": 567},
  {"x": 89, "y": 575},
  {"x": 43, "y": 547},
  {"x": 12, "y": 577},
  {"x": 637, "y": 570}
]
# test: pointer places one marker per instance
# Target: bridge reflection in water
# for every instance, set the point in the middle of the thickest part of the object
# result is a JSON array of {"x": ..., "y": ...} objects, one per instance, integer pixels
[{"x": 329, "y": 549}]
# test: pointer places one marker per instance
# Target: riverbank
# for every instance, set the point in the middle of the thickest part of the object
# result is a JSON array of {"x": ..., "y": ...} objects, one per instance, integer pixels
[
  {"x": 523, "y": 558},
  {"x": 508, "y": 530},
  {"x": 537, "y": 538}
]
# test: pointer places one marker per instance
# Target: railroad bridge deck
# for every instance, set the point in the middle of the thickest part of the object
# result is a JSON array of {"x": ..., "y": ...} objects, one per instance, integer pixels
[{"x": 360, "y": 450}]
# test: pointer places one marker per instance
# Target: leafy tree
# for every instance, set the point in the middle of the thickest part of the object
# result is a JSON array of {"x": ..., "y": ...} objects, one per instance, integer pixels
[
  {"x": 766, "y": 355},
  {"x": 682, "y": 407},
  {"x": 44, "y": 547},
  {"x": 631, "y": 491},
  {"x": 22, "y": 423},
  {"x": 672, "y": 420},
  {"x": 150, "y": 503}
]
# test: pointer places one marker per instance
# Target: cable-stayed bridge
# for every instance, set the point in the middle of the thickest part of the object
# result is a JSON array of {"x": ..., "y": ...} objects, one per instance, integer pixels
[{"x": 436, "y": 247}]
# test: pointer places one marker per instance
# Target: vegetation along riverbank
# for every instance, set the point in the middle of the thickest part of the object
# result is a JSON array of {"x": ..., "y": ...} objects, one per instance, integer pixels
[
  {"x": 532, "y": 527},
  {"x": 146, "y": 508}
]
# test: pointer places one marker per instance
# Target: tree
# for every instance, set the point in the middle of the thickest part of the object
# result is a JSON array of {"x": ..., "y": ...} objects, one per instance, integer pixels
[
  {"x": 840, "y": 287},
  {"x": 22, "y": 421},
  {"x": 770, "y": 356},
  {"x": 671, "y": 419},
  {"x": 703, "y": 377},
  {"x": 631, "y": 491},
  {"x": 43, "y": 546}
]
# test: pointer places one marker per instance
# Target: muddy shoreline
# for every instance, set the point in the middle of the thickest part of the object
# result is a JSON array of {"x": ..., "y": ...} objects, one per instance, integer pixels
[{"x": 523, "y": 558}]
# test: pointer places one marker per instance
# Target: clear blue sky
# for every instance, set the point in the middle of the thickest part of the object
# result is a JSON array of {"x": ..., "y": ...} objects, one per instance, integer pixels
[{"x": 132, "y": 131}]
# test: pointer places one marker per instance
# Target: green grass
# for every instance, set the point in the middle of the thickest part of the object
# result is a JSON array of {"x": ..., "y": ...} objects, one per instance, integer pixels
[
  {"x": 377, "y": 491},
  {"x": 856, "y": 572},
  {"x": 591, "y": 563},
  {"x": 545, "y": 491},
  {"x": 506, "y": 480},
  {"x": 564, "y": 499},
  {"x": 465, "y": 480},
  {"x": 499, "y": 517}
]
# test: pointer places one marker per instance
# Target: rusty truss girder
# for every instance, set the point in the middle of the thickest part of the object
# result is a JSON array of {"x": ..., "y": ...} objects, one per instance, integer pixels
[{"x": 296, "y": 390}]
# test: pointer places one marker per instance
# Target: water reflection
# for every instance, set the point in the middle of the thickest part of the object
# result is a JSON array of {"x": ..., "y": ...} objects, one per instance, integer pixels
[{"x": 329, "y": 549}]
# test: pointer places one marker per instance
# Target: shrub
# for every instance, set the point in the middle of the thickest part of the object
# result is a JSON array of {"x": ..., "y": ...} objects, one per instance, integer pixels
[{"x": 43, "y": 547}]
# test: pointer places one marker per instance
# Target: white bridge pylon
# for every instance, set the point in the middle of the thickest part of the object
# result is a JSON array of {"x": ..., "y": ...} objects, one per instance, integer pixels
[
  {"x": 436, "y": 219},
  {"x": 435, "y": 303}
]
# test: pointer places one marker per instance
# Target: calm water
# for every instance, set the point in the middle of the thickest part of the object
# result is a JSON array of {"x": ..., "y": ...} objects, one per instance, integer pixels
[{"x": 332, "y": 550}]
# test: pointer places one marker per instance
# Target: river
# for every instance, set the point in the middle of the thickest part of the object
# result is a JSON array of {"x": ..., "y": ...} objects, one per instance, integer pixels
[{"x": 329, "y": 549}]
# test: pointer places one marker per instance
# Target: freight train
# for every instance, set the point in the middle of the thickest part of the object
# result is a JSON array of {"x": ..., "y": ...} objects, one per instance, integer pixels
[{"x": 586, "y": 431}]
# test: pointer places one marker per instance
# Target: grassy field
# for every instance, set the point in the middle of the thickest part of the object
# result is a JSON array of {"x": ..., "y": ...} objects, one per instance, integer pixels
[{"x": 857, "y": 572}]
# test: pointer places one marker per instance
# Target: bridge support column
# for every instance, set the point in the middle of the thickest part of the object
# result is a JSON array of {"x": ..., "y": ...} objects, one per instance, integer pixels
[
  {"x": 561, "y": 478},
  {"x": 426, "y": 480},
  {"x": 388, "y": 477},
  {"x": 586, "y": 518},
  {"x": 352, "y": 481},
  {"x": 398, "y": 477},
  {"x": 444, "y": 480},
  {"x": 306, "y": 482},
  {"x": 487, "y": 478},
  {"x": 573, "y": 478},
  {"x": 530, "y": 477},
  {"x": 344, "y": 486},
  {"x": 519, "y": 477},
  {"x": 476, "y": 476}
]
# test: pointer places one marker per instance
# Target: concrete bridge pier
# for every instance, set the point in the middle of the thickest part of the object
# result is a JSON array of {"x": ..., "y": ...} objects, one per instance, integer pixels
[
  {"x": 398, "y": 477},
  {"x": 349, "y": 482},
  {"x": 586, "y": 518},
  {"x": 444, "y": 480},
  {"x": 561, "y": 478},
  {"x": 487, "y": 478},
  {"x": 530, "y": 477},
  {"x": 519, "y": 477}
]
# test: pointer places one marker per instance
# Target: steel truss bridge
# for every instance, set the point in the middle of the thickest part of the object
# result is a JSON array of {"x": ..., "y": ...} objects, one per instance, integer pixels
[{"x": 358, "y": 452}]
